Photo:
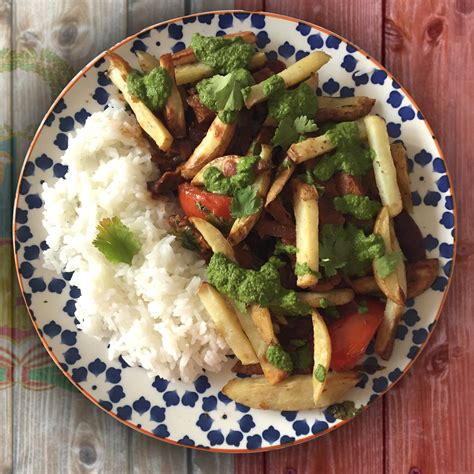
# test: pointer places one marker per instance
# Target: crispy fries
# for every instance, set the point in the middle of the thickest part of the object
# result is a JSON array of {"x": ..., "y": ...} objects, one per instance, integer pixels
[
  {"x": 273, "y": 374},
  {"x": 384, "y": 169},
  {"x": 391, "y": 286},
  {"x": 292, "y": 75},
  {"x": 399, "y": 155},
  {"x": 227, "y": 323},
  {"x": 187, "y": 56},
  {"x": 188, "y": 73},
  {"x": 386, "y": 333},
  {"x": 420, "y": 276},
  {"x": 213, "y": 237},
  {"x": 293, "y": 394},
  {"x": 221, "y": 163},
  {"x": 343, "y": 109},
  {"x": 214, "y": 144},
  {"x": 337, "y": 297},
  {"x": 147, "y": 61},
  {"x": 151, "y": 124},
  {"x": 243, "y": 225},
  {"x": 316, "y": 146},
  {"x": 283, "y": 174},
  {"x": 262, "y": 319},
  {"x": 174, "y": 110},
  {"x": 321, "y": 356},
  {"x": 305, "y": 206}
]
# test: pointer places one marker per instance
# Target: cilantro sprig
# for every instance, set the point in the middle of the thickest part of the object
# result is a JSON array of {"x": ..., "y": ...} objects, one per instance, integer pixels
[
  {"x": 116, "y": 241},
  {"x": 290, "y": 130}
]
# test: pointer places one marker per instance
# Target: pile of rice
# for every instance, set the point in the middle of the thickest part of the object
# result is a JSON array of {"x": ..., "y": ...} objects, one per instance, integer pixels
[{"x": 148, "y": 312}]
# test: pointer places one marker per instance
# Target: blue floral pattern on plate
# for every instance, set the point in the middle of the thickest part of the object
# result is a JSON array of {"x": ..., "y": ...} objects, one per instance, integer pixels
[{"x": 198, "y": 414}]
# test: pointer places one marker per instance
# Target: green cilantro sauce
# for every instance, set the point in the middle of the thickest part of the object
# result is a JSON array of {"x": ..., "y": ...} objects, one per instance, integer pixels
[
  {"x": 387, "y": 264},
  {"x": 225, "y": 94},
  {"x": 293, "y": 103},
  {"x": 262, "y": 287},
  {"x": 347, "y": 249},
  {"x": 273, "y": 85},
  {"x": 344, "y": 410},
  {"x": 152, "y": 88},
  {"x": 216, "y": 182},
  {"x": 279, "y": 358},
  {"x": 304, "y": 269},
  {"x": 320, "y": 373},
  {"x": 361, "y": 207},
  {"x": 350, "y": 156},
  {"x": 222, "y": 54}
]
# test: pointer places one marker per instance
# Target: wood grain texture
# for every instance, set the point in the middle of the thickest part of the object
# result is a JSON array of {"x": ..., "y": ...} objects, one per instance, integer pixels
[
  {"x": 143, "y": 13},
  {"x": 57, "y": 430},
  {"x": 430, "y": 417},
  {"x": 324, "y": 454},
  {"x": 255, "y": 5},
  {"x": 6, "y": 283},
  {"x": 359, "y": 20}
]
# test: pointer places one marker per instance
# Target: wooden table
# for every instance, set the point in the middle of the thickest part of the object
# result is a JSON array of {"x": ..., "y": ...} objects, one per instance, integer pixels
[{"x": 425, "y": 424}]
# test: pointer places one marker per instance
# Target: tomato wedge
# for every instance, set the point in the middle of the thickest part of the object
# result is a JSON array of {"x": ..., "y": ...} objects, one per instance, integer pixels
[
  {"x": 351, "y": 334},
  {"x": 195, "y": 201}
]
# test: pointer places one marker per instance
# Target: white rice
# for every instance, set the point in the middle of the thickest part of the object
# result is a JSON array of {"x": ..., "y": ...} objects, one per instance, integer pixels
[{"x": 148, "y": 312}]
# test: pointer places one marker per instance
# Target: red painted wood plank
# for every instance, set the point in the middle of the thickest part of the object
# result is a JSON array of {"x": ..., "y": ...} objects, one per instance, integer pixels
[
  {"x": 429, "y": 416},
  {"x": 324, "y": 455},
  {"x": 360, "y": 21},
  {"x": 254, "y": 5}
]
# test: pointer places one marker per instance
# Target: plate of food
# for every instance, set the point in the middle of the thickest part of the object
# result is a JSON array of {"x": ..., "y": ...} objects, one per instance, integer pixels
[{"x": 234, "y": 231}]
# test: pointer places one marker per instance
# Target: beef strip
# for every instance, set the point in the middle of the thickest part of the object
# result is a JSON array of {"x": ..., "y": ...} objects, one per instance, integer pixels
[
  {"x": 181, "y": 227},
  {"x": 348, "y": 184},
  {"x": 166, "y": 183},
  {"x": 201, "y": 112}
]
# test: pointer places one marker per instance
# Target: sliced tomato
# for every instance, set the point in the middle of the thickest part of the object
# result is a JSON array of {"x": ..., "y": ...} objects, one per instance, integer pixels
[
  {"x": 196, "y": 202},
  {"x": 351, "y": 334}
]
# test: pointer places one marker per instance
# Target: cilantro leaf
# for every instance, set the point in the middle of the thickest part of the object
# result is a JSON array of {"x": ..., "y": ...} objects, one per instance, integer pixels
[
  {"x": 290, "y": 129},
  {"x": 305, "y": 125},
  {"x": 387, "y": 264},
  {"x": 281, "y": 248},
  {"x": 116, "y": 241},
  {"x": 286, "y": 133},
  {"x": 304, "y": 269},
  {"x": 245, "y": 202},
  {"x": 225, "y": 94}
]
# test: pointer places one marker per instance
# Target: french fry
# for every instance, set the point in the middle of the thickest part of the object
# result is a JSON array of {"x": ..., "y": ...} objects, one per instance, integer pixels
[
  {"x": 273, "y": 374},
  {"x": 399, "y": 155},
  {"x": 283, "y": 174},
  {"x": 384, "y": 169},
  {"x": 292, "y": 75},
  {"x": 188, "y": 73},
  {"x": 321, "y": 356},
  {"x": 214, "y": 144},
  {"x": 213, "y": 237},
  {"x": 227, "y": 323},
  {"x": 316, "y": 146},
  {"x": 220, "y": 163},
  {"x": 420, "y": 276},
  {"x": 390, "y": 286},
  {"x": 243, "y": 225},
  {"x": 147, "y": 61},
  {"x": 187, "y": 56},
  {"x": 305, "y": 206},
  {"x": 262, "y": 319},
  {"x": 174, "y": 110},
  {"x": 343, "y": 109},
  {"x": 385, "y": 337},
  {"x": 337, "y": 297},
  {"x": 151, "y": 124},
  {"x": 293, "y": 394}
]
